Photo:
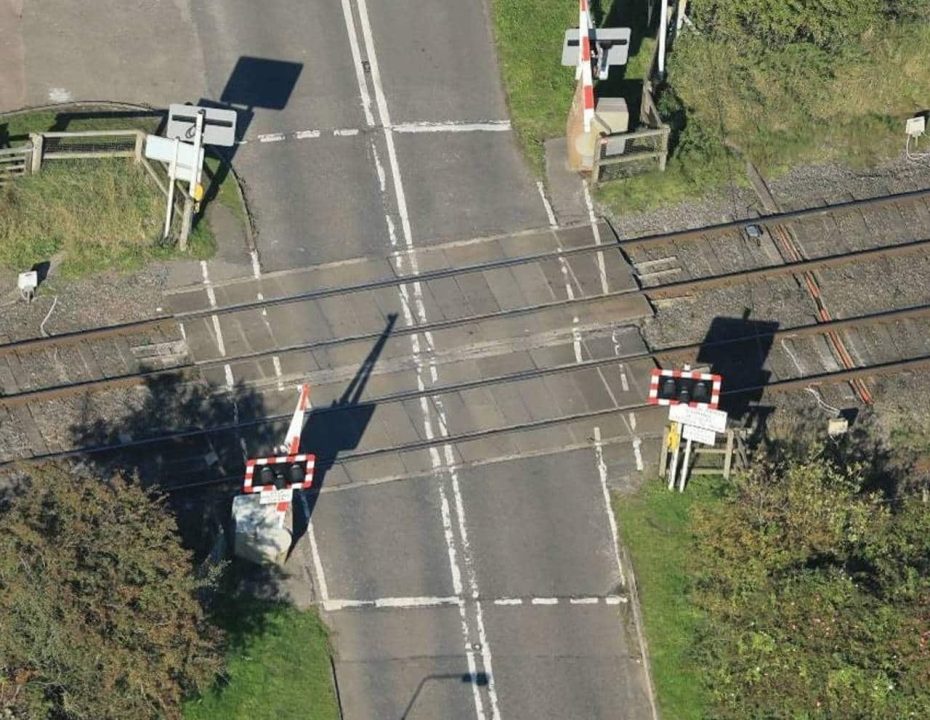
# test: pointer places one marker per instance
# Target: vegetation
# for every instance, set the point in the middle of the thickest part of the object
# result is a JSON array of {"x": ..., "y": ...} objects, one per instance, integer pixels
[
  {"x": 278, "y": 667},
  {"x": 655, "y": 528},
  {"x": 802, "y": 589},
  {"x": 98, "y": 215},
  {"x": 774, "y": 82},
  {"x": 100, "y": 607}
]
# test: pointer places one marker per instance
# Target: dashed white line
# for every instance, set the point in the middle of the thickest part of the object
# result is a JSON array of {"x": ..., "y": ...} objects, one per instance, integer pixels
[
  {"x": 508, "y": 601},
  {"x": 637, "y": 443},
  {"x": 306, "y": 134},
  {"x": 211, "y": 297},
  {"x": 256, "y": 266},
  {"x": 544, "y": 601},
  {"x": 276, "y": 362},
  {"x": 271, "y": 137},
  {"x": 416, "y": 603},
  {"x": 345, "y": 132},
  {"x": 584, "y": 601}
]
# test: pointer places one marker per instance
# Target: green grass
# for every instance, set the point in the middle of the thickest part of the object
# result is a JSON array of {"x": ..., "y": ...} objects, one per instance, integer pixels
[
  {"x": 278, "y": 668},
  {"x": 15, "y": 127},
  {"x": 654, "y": 527},
  {"x": 95, "y": 215}
]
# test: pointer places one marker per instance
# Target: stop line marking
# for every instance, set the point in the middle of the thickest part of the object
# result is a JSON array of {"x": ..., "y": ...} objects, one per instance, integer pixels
[
  {"x": 412, "y": 128},
  {"x": 417, "y": 602}
]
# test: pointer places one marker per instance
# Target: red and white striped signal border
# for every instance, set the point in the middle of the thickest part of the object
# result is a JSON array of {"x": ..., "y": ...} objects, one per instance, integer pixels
[
  {"x": 657, "y": 374},
  {"x": 250, "y": 465},
  {"x": 584, "y": 62}
]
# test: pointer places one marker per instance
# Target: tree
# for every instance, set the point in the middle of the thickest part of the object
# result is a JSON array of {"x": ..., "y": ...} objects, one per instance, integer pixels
[
  {"x": 98, "y": 600},
  {"x": 816, "y": 593}
]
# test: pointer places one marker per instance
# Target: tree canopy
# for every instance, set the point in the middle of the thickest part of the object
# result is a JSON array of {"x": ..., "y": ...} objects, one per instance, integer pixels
[
  {"x": 816, "y": 593},
  {"x": 98, "y": 600}
]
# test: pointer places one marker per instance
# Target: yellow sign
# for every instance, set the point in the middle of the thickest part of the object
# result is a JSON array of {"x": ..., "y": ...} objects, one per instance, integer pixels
[
  {"x": 674, "y": 436},
  {"x": 198, "y": 192}
]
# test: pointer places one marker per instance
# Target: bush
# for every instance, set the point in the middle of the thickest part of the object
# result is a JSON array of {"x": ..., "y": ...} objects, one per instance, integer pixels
[
  {"x": 816, "y": 593},
  {"x": 101, "y": 618}
]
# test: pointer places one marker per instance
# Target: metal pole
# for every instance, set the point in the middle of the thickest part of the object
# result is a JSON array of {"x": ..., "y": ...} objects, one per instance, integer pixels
[
  {"x": 684, "y": 467},
  {"x": 663, "y": 31},
  {"x": 172, "y": 176},
  {"x": 188, "y": 217}
]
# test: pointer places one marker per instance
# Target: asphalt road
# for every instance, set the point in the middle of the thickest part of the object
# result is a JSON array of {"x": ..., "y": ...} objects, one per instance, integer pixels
[{"x": 473, "y": 579}]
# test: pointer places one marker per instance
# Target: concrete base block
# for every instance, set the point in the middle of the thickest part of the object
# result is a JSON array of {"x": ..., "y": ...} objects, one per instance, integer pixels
[{"x": 259, "y": 535}]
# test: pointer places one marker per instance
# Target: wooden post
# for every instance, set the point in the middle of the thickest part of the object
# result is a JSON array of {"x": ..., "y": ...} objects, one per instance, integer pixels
[
  {"x": 187, "y": 220},
  {"x": 37, "y": 143},
  {"x": 728, "y": 458},
  {"x": 140, "y": 139}
]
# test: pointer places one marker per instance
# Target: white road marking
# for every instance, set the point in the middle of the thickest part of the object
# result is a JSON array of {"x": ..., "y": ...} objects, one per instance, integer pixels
[
  {"x": 211, "y": 296},
  {"x": 416, "y": 603},
  {"x": 271, "y": 137},
  {"x": 612, "y": 520},
  {"x": 602, "y": 270},
  {"x": 276, "y": 362},
  {"x": 315, "y": 553},
  {"x": 59, "y": 95},
  {"x": 402, "y": 212},
  {"x": 230, "y": 381},
  {"x": 637, "y": 443},
  {"x": 345, "y": 132},
  {"x": 549, "y": 214},
  {"x": 452, "y": 127},
  {"x": 256, "y": 267},
  {"x": 306, "y": 134}
]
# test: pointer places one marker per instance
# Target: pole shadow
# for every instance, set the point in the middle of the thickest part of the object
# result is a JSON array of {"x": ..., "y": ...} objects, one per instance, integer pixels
[
  {"x": 480, "y": 679},
  {"x": 335, "y": 429},
  {"x": 254, "y": 83}
]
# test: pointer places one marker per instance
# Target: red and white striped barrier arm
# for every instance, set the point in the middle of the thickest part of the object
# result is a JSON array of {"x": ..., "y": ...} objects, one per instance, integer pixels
[
  {"x": 584, "y": 63},
  {"x": 296, "y": 428}
]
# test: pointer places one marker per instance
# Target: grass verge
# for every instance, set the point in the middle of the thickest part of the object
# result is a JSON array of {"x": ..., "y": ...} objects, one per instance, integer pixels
[
  {"x": 278, "y": 667},
  {"x": 654, "y": 527},
  {"x": 95, "y": 215}
]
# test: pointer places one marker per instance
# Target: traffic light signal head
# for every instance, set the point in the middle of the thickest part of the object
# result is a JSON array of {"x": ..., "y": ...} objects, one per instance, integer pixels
[
  {"x": 684, "y": 387},
  {"x": 278, "y": 473}
]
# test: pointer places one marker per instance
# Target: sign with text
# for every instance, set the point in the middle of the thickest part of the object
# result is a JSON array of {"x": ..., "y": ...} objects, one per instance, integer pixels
[
  {"x": 702, "y": 417},
  {"x": 698, "y": 434},
  {"x": 268, "y": 497}
]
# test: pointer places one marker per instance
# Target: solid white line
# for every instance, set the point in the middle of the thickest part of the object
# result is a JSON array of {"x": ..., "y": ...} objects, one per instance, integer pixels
[
  {"x": 256, "y": 267},
  {"x": 402, "y": 211},
  {"x": 315, "y": 553},
  {"x": 452, "y": 127},
  {"x": 211, "y": 296},
  {"x": 271, "y": 137},
  {"x": 597, "y": 236},
  {"x": 612, "y": 520},
  {"x": 345, "y": 132},
  {"x": 549, "y": 214},
  {"x": 637, "y": 443},
  {"x": 306, "y": 134},
  {"x": 545, "y": 601},
  {"x": 357, "y": 62}
]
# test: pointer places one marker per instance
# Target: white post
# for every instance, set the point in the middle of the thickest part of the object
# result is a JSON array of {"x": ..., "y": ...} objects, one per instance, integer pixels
[
  {"x": 673, "y": 468},
  {"x": 684, "y": 467},
  {"x": 680, "y": 16},
  {"x": 663, "y": 31},
  {"x": 172, "y": 178},
  {"x": 188, "y": 218}
]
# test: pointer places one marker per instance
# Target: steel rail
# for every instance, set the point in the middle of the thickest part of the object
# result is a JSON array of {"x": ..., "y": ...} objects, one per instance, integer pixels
[
  {"x": 645, "y": 241},
  {"x": 136, "y": 379},
  {"x": 649, "y": 241}
]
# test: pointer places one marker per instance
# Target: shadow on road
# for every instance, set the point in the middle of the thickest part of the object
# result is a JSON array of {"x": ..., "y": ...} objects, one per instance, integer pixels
[
  {"x": 479, "y": 679},
  {"x": 337, "y": 428}
]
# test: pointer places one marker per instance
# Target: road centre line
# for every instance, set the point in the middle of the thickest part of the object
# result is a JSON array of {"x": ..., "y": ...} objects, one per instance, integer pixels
[
  {"x": 401, "y": 205},
  {"x": 602, "y": 270}
]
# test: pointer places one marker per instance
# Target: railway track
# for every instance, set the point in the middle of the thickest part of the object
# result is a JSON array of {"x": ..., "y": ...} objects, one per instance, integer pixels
[{"x": 193, "y": 371}]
